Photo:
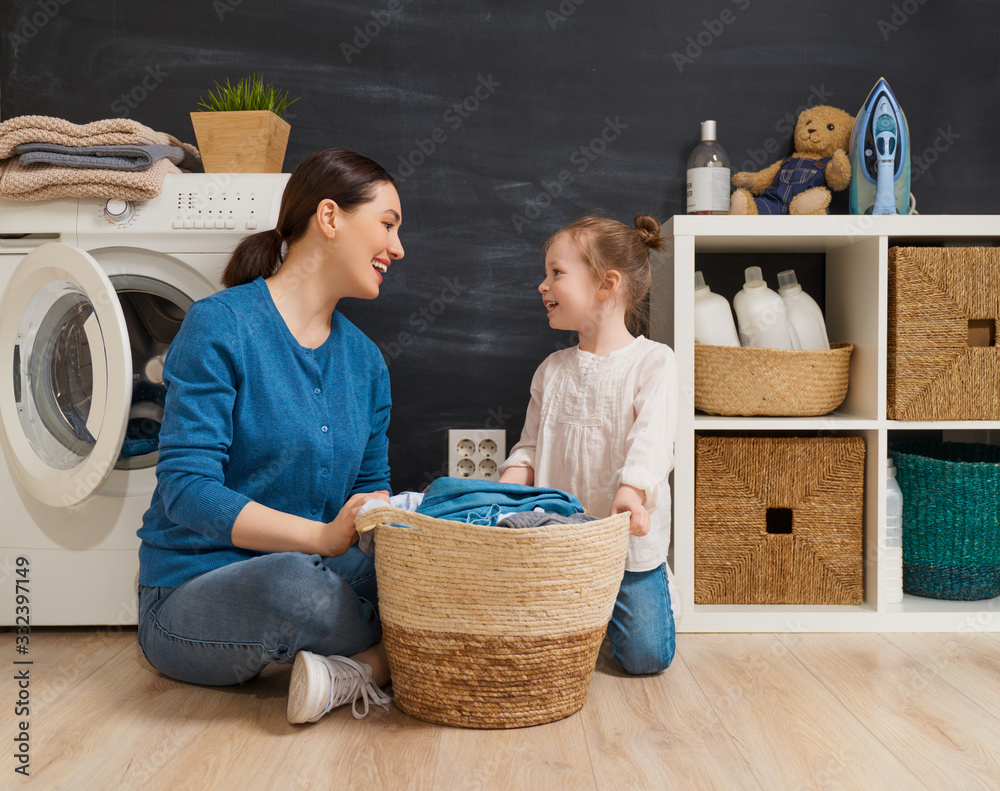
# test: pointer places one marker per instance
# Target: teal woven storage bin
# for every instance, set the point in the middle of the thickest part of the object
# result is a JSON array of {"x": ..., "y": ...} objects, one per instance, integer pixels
[{"x": 951, "y": 518}]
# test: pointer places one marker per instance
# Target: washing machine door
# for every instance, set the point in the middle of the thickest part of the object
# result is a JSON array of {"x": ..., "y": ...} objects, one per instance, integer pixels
[{"x": 65, "y": 374}]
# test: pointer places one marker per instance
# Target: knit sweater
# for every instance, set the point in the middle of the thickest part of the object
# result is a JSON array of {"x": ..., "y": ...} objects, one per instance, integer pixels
[{"x": 251, "y": 415}]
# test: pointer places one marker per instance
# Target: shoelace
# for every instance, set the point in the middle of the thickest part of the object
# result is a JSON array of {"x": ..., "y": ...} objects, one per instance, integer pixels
[{"x": 351, "y": 681}]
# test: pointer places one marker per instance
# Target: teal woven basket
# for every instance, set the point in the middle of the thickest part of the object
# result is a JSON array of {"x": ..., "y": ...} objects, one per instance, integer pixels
[{"x": 951, "y": 518}]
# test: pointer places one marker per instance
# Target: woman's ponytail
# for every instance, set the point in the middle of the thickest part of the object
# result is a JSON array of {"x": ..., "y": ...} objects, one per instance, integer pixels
[{"x": 257, "y": 255}]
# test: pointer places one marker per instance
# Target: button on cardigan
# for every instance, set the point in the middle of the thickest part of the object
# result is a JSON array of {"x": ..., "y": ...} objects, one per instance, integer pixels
[{"x": 251, "y": 415}]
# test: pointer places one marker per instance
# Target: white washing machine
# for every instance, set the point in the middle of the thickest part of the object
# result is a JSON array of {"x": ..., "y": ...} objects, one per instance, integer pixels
[{"x": 92, "y": 293}]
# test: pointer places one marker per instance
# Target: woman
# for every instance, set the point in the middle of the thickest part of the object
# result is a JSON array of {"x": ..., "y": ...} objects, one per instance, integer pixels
[{"x": 273, "y": 437}]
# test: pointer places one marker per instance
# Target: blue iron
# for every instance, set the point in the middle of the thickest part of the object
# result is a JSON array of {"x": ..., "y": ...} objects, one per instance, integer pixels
[{"x": 880, "y": 156}]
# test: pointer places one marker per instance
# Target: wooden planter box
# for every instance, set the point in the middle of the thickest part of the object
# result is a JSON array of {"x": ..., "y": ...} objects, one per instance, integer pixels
[{"x": 247, "y": 141}]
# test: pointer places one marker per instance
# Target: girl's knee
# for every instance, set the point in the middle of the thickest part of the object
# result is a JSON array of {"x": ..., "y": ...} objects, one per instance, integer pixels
[
  {"x": 645, "y": 663},
  {"x": 650, "y": 667}
]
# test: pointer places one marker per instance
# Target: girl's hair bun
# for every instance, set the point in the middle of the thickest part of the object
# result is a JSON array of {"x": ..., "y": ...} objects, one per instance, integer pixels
[{"x": 648, "y": 228}]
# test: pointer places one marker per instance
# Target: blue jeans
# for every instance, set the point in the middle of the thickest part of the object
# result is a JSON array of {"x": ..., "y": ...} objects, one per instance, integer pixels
[
  {"x": 641, "y": 631},
  {"x": 225, "y": 626}
]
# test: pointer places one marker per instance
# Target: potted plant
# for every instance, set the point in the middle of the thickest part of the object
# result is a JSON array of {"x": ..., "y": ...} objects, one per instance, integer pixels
[{"x": 241, "y": 129}]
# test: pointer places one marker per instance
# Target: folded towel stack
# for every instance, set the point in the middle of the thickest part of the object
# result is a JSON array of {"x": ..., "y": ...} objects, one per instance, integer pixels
[{"x": 43, "y": 157}]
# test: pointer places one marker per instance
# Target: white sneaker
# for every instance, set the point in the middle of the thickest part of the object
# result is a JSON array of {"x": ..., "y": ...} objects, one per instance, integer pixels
[{"x": 321, "y": 683}]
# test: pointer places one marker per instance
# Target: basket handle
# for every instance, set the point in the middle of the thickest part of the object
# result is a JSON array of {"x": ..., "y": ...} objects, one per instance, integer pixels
[{"x": 380, "y": 515}]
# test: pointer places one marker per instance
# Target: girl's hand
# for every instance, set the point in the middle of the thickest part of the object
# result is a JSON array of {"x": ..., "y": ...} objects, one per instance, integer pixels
[
  {"x": 337, "y": 536},
  {"x": 628, "y": 498}
]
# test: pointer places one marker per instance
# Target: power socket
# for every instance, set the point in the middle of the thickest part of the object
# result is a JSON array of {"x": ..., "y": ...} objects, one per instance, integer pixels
[{"x": 476, "y": 452}]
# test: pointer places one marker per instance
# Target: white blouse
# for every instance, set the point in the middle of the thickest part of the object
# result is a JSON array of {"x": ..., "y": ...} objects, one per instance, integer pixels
[{"x": 595, "y": 423}]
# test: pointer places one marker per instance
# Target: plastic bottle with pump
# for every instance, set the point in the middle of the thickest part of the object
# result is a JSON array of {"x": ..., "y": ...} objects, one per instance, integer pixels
[
  {"x": 892, "y": 588},
  {"x": 713, "y": 318},
  {"x": 804, "y": 314},
  {"x": 708, "y": 175},
  {"x": 761, "y": 316}
]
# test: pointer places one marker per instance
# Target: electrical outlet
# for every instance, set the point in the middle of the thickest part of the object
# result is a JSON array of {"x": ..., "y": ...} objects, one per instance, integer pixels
[{"x": 476, "y": 452}]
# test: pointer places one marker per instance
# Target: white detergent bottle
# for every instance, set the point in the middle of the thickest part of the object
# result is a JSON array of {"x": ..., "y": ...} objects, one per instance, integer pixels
[
  {"x": 892, "y": 564},
  {"x": 761, "y": 315},
  {"x": 804, "y": 314},
  {"x": 713, "y": 319}
]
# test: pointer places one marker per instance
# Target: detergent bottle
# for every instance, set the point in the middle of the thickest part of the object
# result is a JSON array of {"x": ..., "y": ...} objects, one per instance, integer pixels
[
  {"x": 893, "y": 563},
  {"x": 713, "y": 318},
  {"x": 761, "y": 315},
  {"x": 804, "y": 314}
]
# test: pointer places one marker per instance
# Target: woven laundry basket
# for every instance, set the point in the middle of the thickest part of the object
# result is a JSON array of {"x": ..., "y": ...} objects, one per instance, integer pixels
[
  {"x": 778, "y": 520},
  {"x": 493, "y": 627},
  {"x": 746, "y": 381},
  {"x": 943, "y": 362},
  {"x": 951, "y": 518}
]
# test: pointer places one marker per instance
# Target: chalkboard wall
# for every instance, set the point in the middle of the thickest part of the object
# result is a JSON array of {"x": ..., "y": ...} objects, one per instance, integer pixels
[{"x": 506, "y": 120}]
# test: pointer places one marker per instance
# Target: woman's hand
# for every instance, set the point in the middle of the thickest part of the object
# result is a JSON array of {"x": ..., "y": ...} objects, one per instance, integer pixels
[
  {"x": 337, "y": 536},
  {"x": 264, "y": 529},
  {"x": 628, "y": 498}
]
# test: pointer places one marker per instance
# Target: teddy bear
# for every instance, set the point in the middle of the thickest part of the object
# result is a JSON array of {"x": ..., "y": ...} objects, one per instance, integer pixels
[{"x": 798, "y": 184}]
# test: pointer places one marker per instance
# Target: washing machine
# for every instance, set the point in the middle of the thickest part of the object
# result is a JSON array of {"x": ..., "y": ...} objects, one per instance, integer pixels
[{"x": 92, "y": 292}]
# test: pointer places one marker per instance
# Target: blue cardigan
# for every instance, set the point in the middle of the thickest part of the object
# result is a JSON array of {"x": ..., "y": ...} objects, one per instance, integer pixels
[{"x": 252, "y": 415}]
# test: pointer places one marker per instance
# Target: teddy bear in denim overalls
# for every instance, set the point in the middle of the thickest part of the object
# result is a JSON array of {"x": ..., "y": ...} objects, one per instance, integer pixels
[{"x": 798, "y": 184}]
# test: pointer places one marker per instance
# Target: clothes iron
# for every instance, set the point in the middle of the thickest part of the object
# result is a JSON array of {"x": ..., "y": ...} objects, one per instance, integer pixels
[{"x": 880, "y": 156}]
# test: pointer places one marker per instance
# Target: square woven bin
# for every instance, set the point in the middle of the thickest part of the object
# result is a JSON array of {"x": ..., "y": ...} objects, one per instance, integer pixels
[
  {"x": 494, "y": 627},
  {"x": 951, "y": 518},
  {"x": 817, "y": 559},
  {"x": 934, "y": 294}
]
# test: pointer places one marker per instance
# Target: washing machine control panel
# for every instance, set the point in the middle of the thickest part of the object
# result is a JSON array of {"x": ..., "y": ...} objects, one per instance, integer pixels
[{"x": 204, "y": 212}]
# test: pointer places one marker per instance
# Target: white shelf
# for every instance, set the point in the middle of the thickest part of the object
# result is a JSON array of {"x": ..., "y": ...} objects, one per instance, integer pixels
[
  {"x": 856, "y": 252},
  {"x": 831, "y": 422}
]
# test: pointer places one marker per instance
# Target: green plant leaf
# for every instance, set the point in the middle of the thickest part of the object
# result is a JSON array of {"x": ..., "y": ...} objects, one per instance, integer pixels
[{"x": 250, "y": 93}]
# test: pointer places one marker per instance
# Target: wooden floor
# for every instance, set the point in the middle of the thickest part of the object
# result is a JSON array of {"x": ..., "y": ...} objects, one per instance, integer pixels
[{"x": 743, "y": 711}]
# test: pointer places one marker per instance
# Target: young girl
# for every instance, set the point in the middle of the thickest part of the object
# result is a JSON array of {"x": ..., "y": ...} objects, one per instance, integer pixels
[{"x": 603, "y": 415}]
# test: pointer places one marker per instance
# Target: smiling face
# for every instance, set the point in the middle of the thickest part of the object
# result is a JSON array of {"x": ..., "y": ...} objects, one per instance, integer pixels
[
  {"x": 568, "y": 291},
  {"x": 367, "y": 241}
]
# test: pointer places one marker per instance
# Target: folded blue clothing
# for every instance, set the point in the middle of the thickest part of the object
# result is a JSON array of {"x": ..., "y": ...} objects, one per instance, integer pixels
[
  {"x": 480, "y": 502},
  {"x": 112, "y": 157}
]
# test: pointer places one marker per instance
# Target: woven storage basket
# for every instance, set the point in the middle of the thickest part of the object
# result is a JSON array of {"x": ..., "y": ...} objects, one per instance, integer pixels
[
  {"x": 494, "y": 627},
  {"x": 737, "y": 380},
  {"x": 951, "y": 518},
  {"x": 933, "y": 372},
  {"x": 818, "y": 559}
]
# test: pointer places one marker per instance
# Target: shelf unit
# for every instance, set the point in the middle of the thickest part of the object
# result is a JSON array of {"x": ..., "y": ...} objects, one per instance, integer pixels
[{"x": 856, "y": 265}]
